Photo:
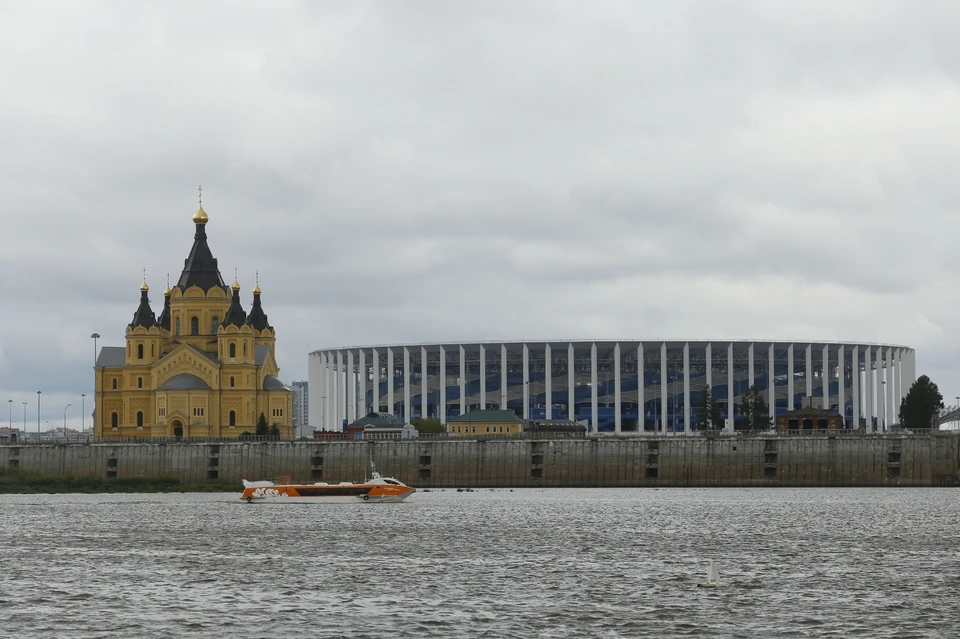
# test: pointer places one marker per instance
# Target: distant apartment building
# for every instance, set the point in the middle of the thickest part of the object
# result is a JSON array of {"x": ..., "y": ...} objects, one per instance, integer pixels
[{"x": 301, "y": 405}]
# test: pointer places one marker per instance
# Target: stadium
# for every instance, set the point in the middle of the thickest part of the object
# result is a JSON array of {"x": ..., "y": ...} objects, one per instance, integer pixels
[{"x": 610, "y": 385}]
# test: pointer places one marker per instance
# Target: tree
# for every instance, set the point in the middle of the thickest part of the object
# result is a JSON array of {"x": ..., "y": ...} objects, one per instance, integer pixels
[
  {"x": 919, "y": 408},
  {"x": 263, "y": 428},
  {"x": 755, "y": 410},
  {"x": 709, "y": 412},
  {"x": 428, "y": 425},
  {"x": 275, "y": 431}
]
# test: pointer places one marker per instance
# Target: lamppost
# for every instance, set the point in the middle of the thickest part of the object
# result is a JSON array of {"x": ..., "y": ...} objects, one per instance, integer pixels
[
  {"x": 24, "y": 419},
  {"x": 95, "y": 337},
  {"x": 83, "y": 402},
  {"x": 38, "y": 414},
  {"x": 10, "y": 416},
  {"x": 65, "y": 418},
  {"x": 883, "y": 398}
]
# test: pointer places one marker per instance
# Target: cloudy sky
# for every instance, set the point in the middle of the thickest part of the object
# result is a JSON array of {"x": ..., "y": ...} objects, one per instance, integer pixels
[{"x": 428, "y": 171}]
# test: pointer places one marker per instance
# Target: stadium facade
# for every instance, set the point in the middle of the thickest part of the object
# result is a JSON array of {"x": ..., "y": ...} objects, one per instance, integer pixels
[{"x": 618, "y": 385}]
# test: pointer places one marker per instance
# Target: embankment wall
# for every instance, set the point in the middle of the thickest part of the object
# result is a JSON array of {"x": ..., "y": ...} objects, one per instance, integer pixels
[{"x": 890, "y": 460}]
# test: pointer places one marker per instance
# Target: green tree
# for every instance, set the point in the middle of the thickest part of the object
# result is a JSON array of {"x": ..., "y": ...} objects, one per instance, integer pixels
[
  {"x": 275, "y": 431},
  {"x": 263, "y": 428},
  {"x": 755, "y": 410},
  {"x": 919, "y": 408},
  {"x": 428, "y": 425},
  {"x": 709, "y": 412}
]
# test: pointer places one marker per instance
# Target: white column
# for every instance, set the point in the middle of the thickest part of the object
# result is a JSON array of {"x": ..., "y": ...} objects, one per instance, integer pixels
[
  {"x": 708, "y": 355},
  {"x": 617, "y": 420},
  {"x": 730, "y": 403},
  {"x": 686, "y": 388},
  {"x": 548, "y": 380},
  {"x": 375, "y": 367},
  {"x": 351, "y": 389},
  {"x": 881, "y": 392},
  {"x": 463, "y": 381},
  {"x": 362, "y": 408},
  {"x": 750, "y": 377},
  {"x": 898, "y": 380},
  {"x": 390, "y": 369},
  {"x": 442, "y": 407},
  {"x": 663, "y": 387},
  {"x": 483, "y": 377},
  {"x": 868, "y": 412},
  {"x": 503, "y": 377},
  {"x": 341, "y": 389},
  {"x": 314, "y": 390},
  {"x": 526, "y": 382},
  {"x": 909, "y": 370},
  {"x": 841, "y": 384},
  {"x": 771, "y": 386},
  {"x": 424, "y": 385},
  {"x": 641, "y": 395},
  {"x": 327, "y": 422},
  {"x": 593, "y": 387},
  {"x": 571, "y": 390},
  {"x": 406, "y": 385},
  {"x": 825, "y": 377},
  {"x": 808, "y": 371},
  {"x": 855, "y": 385},
  {"x": 331, "y": 395},
  {"x": 892, "y": 391},
  {"x": 790, "y": 405}
]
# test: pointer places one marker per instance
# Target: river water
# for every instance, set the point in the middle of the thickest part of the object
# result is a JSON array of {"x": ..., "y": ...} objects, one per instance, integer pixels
[{"x": 487, "y": 563}]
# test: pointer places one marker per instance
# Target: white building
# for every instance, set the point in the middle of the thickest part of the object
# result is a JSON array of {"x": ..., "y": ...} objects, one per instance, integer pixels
[
  {"x": 618, "y": 385},
  {"x": 301, "y": 408}
]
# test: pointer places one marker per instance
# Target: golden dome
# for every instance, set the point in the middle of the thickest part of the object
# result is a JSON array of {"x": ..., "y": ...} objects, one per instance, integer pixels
[
  {"x": 236, "y": 285},
  {"x": 200, "y": 217},
  {"x": 166, "y": 291},
  {"x": 256, "y": 289},
  {"x": 143, "y": 287}
]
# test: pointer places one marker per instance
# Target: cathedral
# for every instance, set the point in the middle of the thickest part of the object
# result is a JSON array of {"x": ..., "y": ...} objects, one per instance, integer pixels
[{"x": 204, "y": 368}]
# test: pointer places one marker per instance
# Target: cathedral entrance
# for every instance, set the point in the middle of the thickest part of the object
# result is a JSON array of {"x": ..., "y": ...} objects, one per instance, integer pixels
[{"x": 177, "y": 429}]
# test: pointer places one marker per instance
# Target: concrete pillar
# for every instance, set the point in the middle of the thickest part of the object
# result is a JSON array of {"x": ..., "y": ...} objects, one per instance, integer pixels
[
  {"x": 855, "y": 385},
  {"x": 442, "y": 406},
  {"x": 808, "y": 371},
  {"x": 526, "y": 382},
  {"x": 424, "y": 385},
  {"x": 841, "y": 383},
  {"x": 463, "y": 381},
  {"x": 881, "y": 392},
  {"x": 617, "y": 418},
  {"x": 503, "y": 377},
  {"x": 750, "y": 377},
  {"x": 594, "y": 417},
  {"x": 351, "y": 389},
  {"x": 375, "y": 366},
  {"x": 663, "y": 387},
  {"x": 314, "y": 391},
  {"x": 483, "y": 377},
  {"x": 686, "y": 388},
  {"x": 825, "y": 377},
  {"x": 571, "y": 389},
  {"x": 390, "y": 371},
  {"x": 868, "y": 412},
  {"x": 548, "y": 380},
  {"x": 407, "y": 413},
  {"x": 730, "y": 402},
  {"x": 641, "y": 395},
  {"x": 790, "y": 404}
]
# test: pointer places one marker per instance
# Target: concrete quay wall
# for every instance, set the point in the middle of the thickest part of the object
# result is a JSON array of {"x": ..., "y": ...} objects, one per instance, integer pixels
[{"x": 890, "y": 460}]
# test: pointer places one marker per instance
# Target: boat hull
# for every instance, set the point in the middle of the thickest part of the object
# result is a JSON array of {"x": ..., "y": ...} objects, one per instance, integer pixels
[{"x": 328, "y": 494}]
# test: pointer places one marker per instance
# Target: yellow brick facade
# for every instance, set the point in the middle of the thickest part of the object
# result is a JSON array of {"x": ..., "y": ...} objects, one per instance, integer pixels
[{"x": 204, "y": 369}]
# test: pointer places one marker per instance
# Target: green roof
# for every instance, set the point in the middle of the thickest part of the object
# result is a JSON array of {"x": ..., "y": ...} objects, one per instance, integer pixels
[{"x": 486, "y": 417}]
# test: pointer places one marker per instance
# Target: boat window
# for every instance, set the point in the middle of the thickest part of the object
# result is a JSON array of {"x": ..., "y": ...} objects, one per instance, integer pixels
[{"x": 391, "y": 482}]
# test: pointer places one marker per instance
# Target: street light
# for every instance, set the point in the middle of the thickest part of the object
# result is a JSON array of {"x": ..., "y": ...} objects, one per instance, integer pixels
[
  {"x": 24, "y": 418},
  {"x": 38, "y": 413},
  {"x": 65, "y": 418},
  {"x": 95, "y": 337},
  {"x": 10, "y": 415},
  {"x": 83, "y": 401}
]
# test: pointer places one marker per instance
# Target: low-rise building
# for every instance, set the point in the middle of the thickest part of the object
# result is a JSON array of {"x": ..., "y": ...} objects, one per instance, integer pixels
[
  {"x": 375, "y": 425},
  {"x": 485, "y": 422}
]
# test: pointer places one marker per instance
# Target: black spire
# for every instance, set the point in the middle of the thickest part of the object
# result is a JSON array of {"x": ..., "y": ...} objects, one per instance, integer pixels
[
  {"x": 235, "y": 315},
  {"x": 200, "y": 267},
  {"x": 144, "y": 316},
  {"x": 257, "y": 318},
  {"x": 164, "y": 320}
]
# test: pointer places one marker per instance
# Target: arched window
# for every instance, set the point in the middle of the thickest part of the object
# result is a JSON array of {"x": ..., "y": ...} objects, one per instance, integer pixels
[
  {"x": 244, "y": 349},
  {"x": 114, "y": 384},
  {"x": 139, "y": 382},
  {"x": 139, "y": 351},
  {"x": 194, "y": 325},
  {"x": 231, "y": 382},
  {"x": 153, "y": 350},
  {"x": 215, "y": 324},
  {"x": 139, "y": 419},
  {"x": 114, "y": 420},
  {"x": 233, "y": 418},
  {"x": 233, "y": 350},
  {"x": 178, "y": 326}
]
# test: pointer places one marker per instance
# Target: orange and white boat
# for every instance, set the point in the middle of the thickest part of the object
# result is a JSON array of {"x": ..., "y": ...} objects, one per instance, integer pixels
[{"x": 376, "y": 490}]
